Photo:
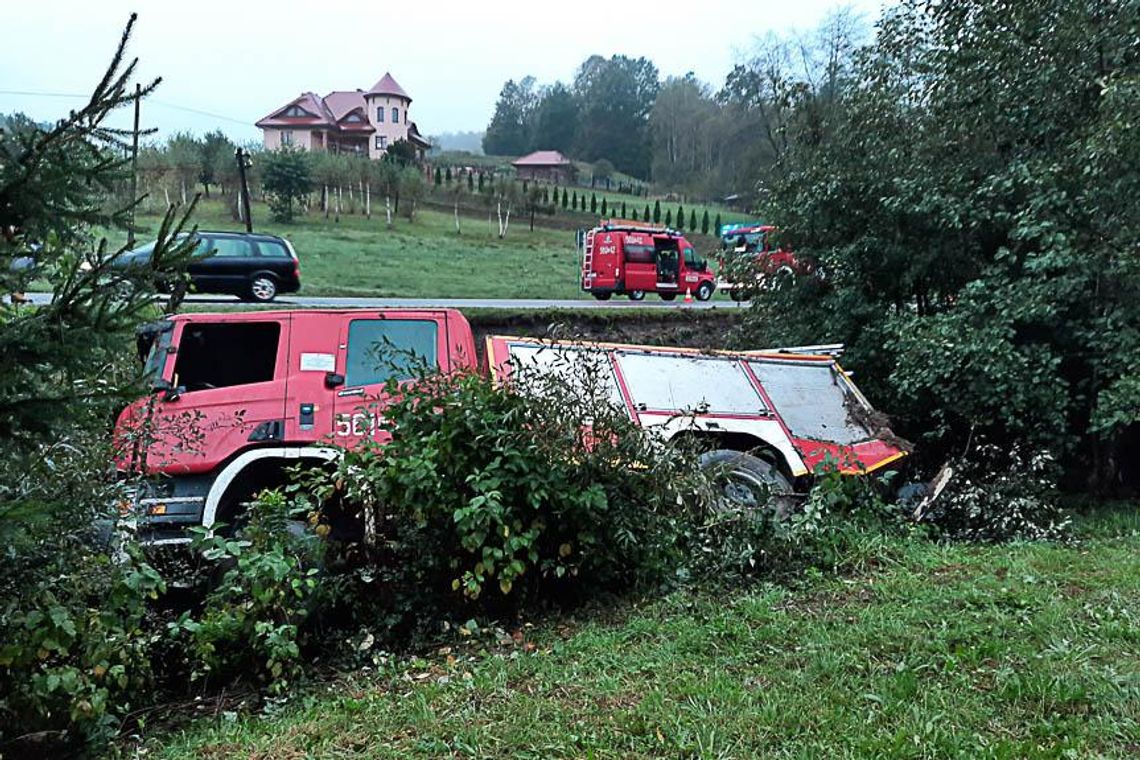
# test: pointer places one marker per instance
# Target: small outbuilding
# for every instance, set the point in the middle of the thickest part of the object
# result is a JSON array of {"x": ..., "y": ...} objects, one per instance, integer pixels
[{"x": 546, "y": 166}]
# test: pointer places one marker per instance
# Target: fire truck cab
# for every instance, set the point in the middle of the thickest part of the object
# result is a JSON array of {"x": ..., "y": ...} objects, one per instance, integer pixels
[{"x": 634, "y": 259}]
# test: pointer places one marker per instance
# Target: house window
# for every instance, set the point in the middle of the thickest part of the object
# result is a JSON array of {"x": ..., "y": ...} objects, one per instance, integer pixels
[
  {"x": 296, "y": 112},
  {"x": 380, "y": 114},
  {"x": 382, "y": 348},
  {"x": 286, "y": 137},
  {"x": 381, "y": 142},
  {"x": 395, "y": 115}
]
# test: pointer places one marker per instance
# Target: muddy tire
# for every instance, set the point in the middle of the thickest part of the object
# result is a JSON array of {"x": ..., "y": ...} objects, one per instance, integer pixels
[{"x": 745, "y": 482}]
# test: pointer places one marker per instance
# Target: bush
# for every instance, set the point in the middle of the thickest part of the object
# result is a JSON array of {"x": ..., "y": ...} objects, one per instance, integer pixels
[
  {"x": 998, "y": 495},
  {"x": 501, "y": 496},
  {"x": 252, "y": 620}
]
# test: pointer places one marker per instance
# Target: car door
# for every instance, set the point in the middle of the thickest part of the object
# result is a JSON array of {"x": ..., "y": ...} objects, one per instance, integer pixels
[
  {"x": 373, "y": 348},
  {"x": 227, "y": 269}
]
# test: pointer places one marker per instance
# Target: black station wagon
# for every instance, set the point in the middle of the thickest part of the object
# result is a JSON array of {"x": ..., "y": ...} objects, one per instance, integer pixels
[{"x": 253, "y": 267}]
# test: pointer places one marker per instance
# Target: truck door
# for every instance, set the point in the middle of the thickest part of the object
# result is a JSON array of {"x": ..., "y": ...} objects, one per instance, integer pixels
[
  {"x": 227, "y": 392},
  {"x": 640, "y": 263},
  {"x": 374, "y": 348},
  {"x": 605, "y": 261}
]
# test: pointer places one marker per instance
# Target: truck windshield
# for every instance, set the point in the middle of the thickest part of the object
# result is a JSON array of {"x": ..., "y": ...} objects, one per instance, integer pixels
[{"x": 155, "y": 357}]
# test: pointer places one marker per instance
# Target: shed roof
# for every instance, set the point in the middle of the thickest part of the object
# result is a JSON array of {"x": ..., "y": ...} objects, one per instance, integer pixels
[{"x": 543, "y": 158}]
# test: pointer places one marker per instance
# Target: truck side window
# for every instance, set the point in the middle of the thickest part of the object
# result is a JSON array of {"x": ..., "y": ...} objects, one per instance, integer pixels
[
  {"x": 225, "y": 354},
  {"x": 379, "y": 349}
]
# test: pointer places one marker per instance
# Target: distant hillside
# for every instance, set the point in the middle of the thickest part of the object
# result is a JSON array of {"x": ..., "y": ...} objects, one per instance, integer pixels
[{"x": 472, "y": 142}]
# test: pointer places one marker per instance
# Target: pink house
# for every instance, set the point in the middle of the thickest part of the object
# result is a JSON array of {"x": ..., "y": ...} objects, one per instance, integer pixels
[{"x": 345, "y": 121}]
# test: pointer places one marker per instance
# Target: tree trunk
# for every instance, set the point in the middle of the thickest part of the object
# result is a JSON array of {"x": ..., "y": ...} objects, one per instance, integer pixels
[
  {"x": 166, "y": 192},
  {"x": 388, "y": 209},
  {"x": 368, "y": 201},
  {"x": 183, "y": 188},
  {"x": 457, "y": 230},
  {"x": 325, "y": 200},
  {"x": 337, "y": 218}
]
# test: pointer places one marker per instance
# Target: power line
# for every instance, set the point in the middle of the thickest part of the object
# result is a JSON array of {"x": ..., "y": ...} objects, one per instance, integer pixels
[{"x": 156, "y": 101}]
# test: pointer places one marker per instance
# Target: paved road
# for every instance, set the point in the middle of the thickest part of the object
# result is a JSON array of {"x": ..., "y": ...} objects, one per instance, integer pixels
[{"x": 455, "y": 303}]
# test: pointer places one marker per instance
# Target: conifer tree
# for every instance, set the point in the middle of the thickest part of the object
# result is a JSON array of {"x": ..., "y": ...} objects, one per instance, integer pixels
[
  {"x": 623, "y": 210},
  {"x": 447, "y": 177},
  {"x": 645, "y": 216},
  {"x": 705, "y": 223},
  {"x": 574, "y": 201},
  {"x": 717, "y": 225},
  {"x": 470, "y": 182},
  {"x": 480, "y": 181},
  {"x": 565, "y": 199},
  {"x": 438, "y": 177},
  {"x": 657, "y": 212},
  {"x": 693, "y": 220},
  {"x": 603, "y": 206},
  {"x": 669, "y": 218},
  {"x": 680, "y": 217},
  {"x": 593, "y": 203}
]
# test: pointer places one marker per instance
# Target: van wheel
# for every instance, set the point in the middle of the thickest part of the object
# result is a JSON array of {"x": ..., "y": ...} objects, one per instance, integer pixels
[
  {"x": 262, "y": 289},
  {"x": 668, "y": 296},
  {"x": 704, "y": 291},
  {"x": 637, "y": 295},
  {"x": 742, "y": 482},
  {"x": 603, "y": 296}
]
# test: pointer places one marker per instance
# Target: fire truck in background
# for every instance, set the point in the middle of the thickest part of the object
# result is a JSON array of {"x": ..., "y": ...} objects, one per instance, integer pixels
[
  {"x": 747, "y": 253},
  {"x": 632, "y": 259}
]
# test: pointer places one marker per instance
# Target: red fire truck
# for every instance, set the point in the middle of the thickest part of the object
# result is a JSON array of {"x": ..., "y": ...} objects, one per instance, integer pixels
[
  {"x": 630, "y": 258},
  {"x": 747, "y": 252},
  {"x": 237, "y": 398}
]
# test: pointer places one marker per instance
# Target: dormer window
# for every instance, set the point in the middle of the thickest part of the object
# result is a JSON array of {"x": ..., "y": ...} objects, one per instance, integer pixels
[
  {"x": 353, "y": 118},
  {"x": 296, "y": 112}
]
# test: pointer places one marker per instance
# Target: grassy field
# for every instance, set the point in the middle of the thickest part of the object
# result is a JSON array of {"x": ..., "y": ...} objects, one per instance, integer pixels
[
  {"x": 1017, "y": 651},
  {"x": 361, "y": 257},
  {"x": 425, "y": 258}
]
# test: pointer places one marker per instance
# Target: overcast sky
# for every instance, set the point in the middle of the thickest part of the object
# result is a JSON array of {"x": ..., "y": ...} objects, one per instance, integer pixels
[{"x": 240, "y": 59}]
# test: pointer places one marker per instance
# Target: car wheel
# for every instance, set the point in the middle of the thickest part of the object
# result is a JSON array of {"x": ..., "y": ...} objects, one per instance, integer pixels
[
  {"x": 742, "y": 482},
  {"x": 263, "y": 289},
  {"x": 637, "y": 295},
  {"x": 668, "y": 296},
  {"x": 603, "y": 296},
  {"x": 704, "y": 291}
]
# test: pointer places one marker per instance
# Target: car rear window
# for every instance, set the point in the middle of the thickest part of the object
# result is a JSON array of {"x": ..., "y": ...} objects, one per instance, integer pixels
[{"x": 273, "y": 249}]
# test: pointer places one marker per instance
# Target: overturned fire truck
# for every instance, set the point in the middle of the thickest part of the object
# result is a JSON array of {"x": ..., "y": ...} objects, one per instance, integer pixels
[{"x": 237, "y": 398}]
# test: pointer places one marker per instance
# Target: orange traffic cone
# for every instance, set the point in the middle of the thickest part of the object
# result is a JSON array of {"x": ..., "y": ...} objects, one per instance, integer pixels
[{"x": 688, "y": 295}]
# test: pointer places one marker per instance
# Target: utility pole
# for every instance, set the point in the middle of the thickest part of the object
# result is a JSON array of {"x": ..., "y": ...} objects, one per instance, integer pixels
[
  {"x": 243, "y": 162},
  {"x": 134, "y": 167}
]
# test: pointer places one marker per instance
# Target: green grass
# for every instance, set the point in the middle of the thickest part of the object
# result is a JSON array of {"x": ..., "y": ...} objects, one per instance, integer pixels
[
  {"x": 421, "y": 259},
  {"x": 424, "y": 258},
  {"x": 1018, "y": 651}
]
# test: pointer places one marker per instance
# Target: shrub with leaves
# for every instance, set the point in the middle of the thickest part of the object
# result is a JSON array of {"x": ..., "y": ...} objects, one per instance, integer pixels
[
  {"x": 490, "y": 492},
  {"x": 998, "y": 495},
  {"x": 252, "y": 620}
]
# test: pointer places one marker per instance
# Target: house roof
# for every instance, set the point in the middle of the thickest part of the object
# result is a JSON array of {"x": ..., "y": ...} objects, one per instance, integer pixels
[
  {"x": 388, "y": 86},
  {"x": 543, "y": 158},
  {"x": 415, "y": 136},
  {"x": 317, "y": 113}
]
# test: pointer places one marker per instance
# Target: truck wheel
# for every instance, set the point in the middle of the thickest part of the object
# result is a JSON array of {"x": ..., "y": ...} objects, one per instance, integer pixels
[
  {"x": 262, "y": 289},
  {"x": 743, "y": 482},
  {"x": 637, "y": 295},
  {"x": 668, "y": 296},
  {"x": 737, "y": 294},
  {"x": 704, "y": 291},
  {"x": 603, "y": 296}
]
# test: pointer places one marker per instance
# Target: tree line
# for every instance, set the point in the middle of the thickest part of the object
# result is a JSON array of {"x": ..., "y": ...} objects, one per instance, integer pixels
[{"x": 680, "y": 133}]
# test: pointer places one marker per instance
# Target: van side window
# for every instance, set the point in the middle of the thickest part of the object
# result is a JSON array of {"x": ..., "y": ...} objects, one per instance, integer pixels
[
  {"x": 379, "y": 349},
  {"x": 226, "y": 354}
]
